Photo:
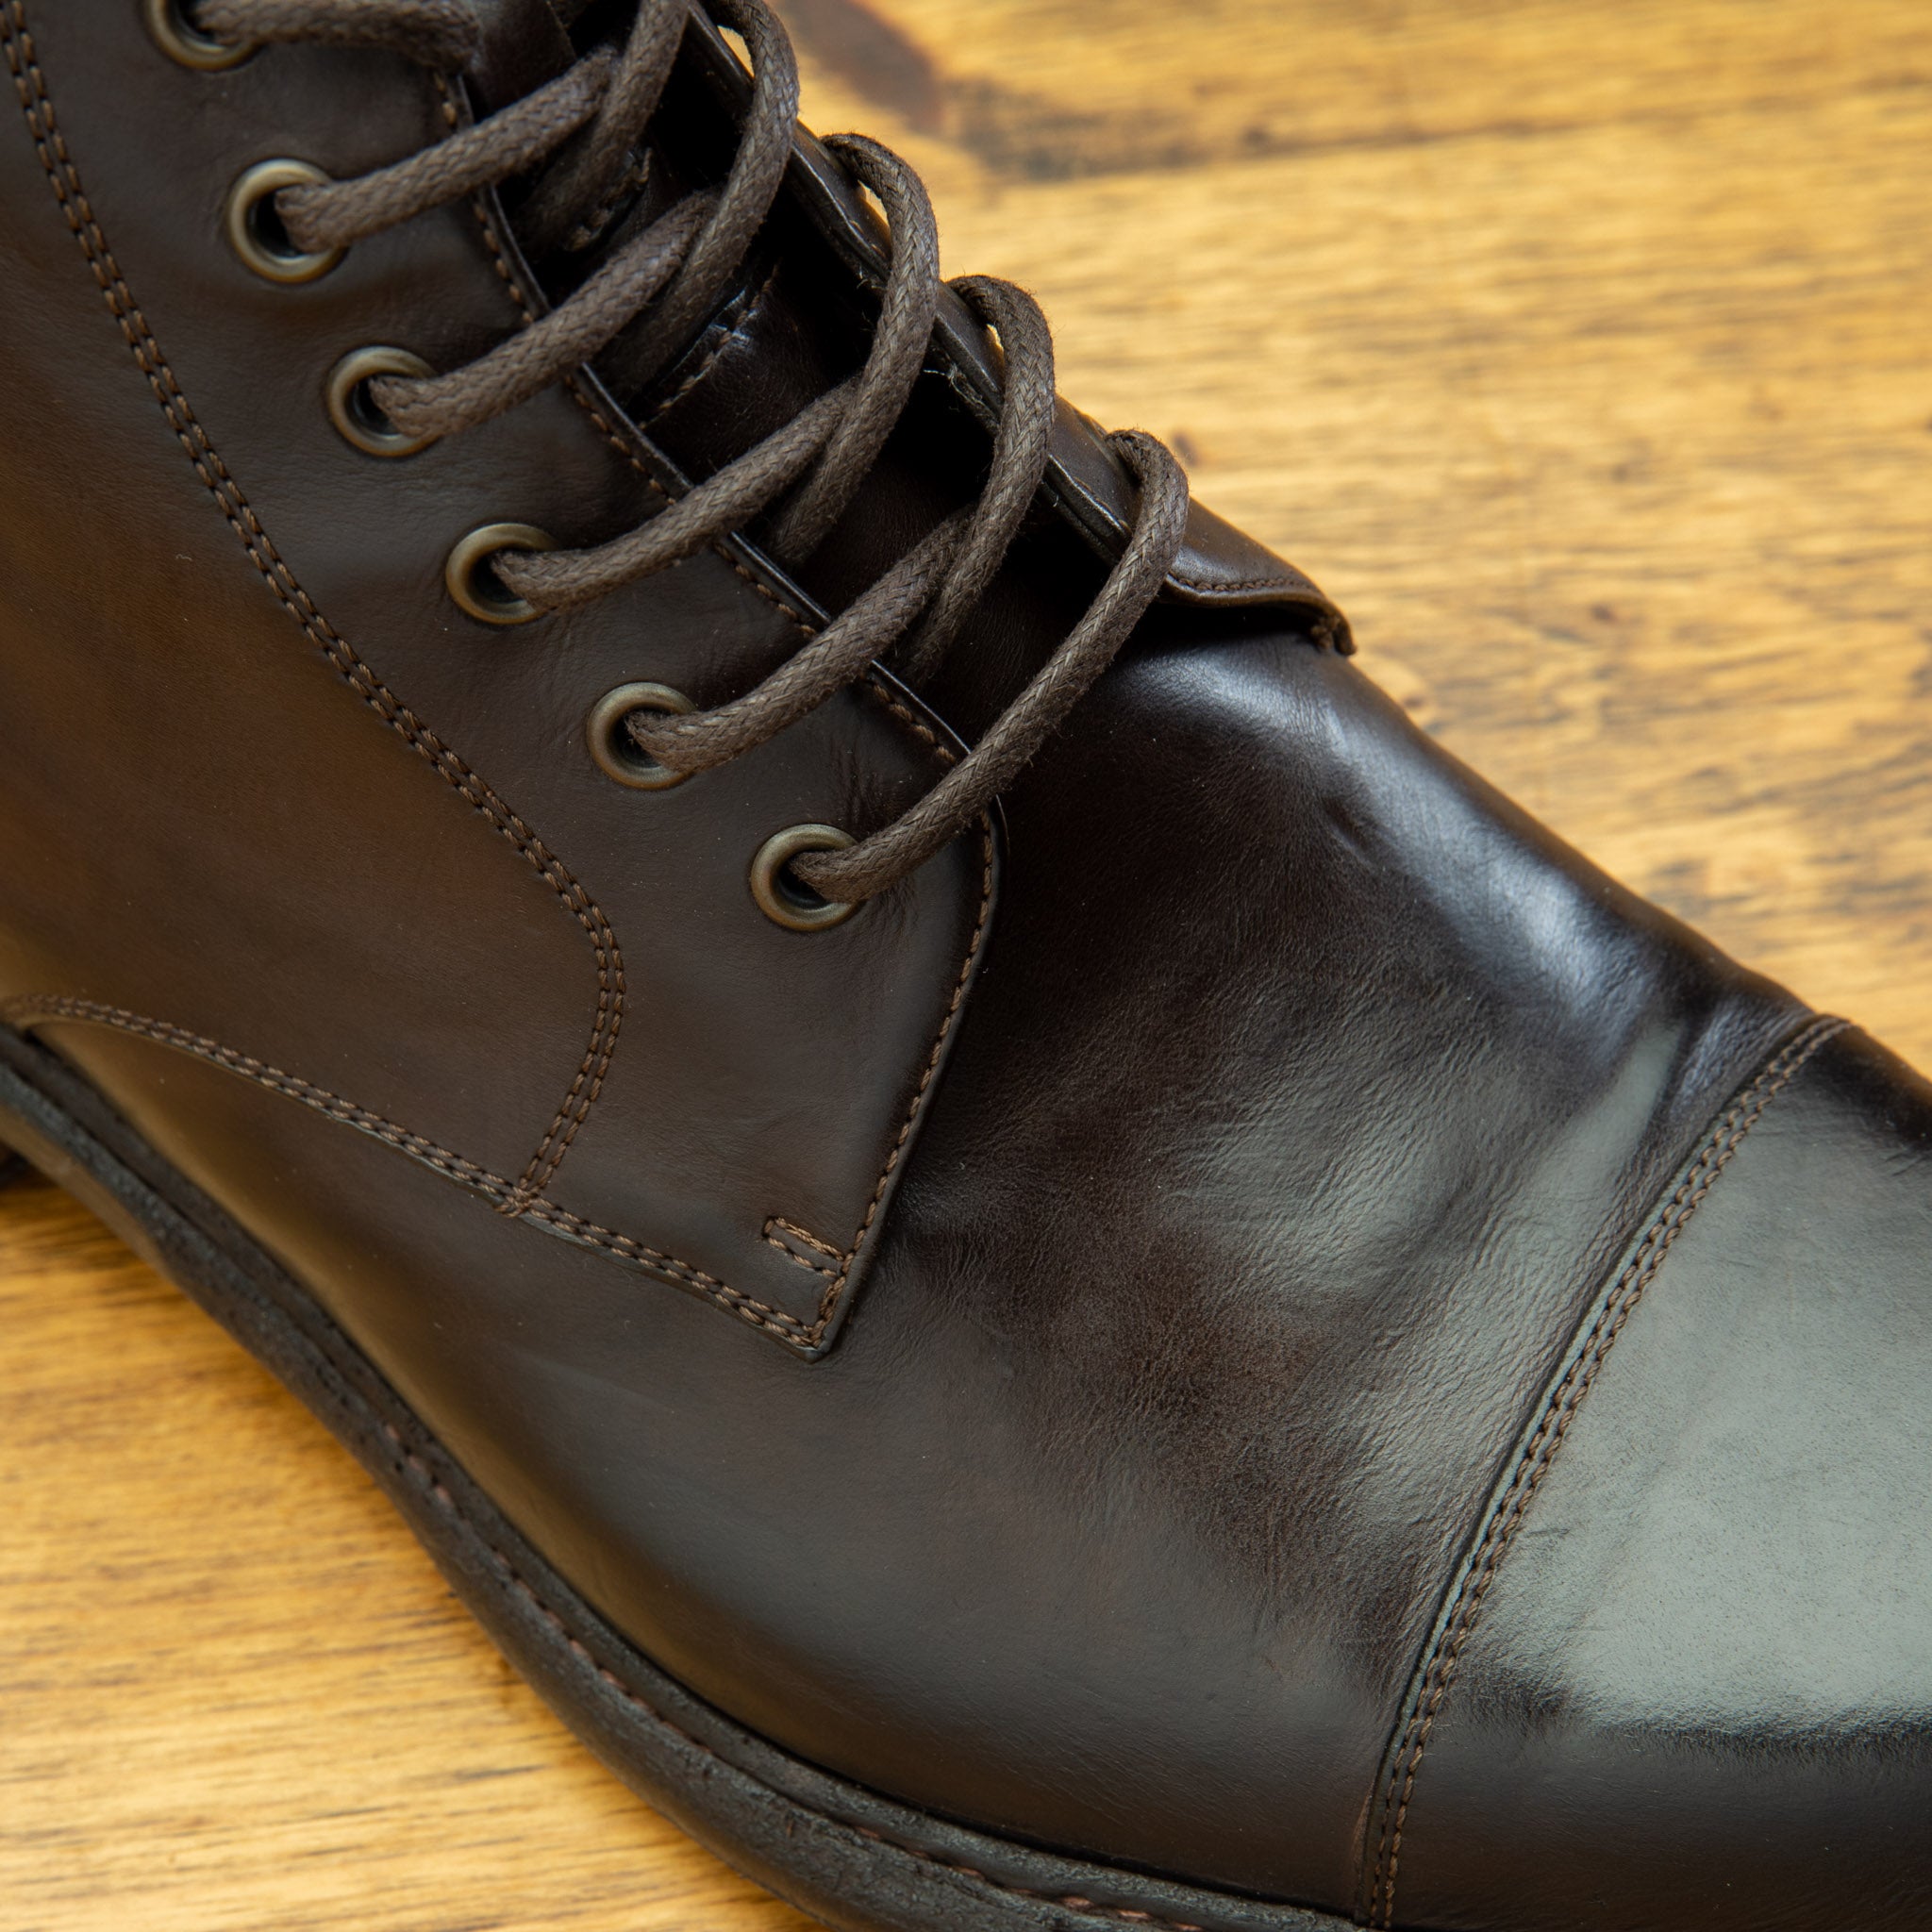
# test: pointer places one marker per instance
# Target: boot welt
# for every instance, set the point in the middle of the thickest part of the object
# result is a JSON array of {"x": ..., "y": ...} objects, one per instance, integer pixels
[{"x": 841, "y": 1852}]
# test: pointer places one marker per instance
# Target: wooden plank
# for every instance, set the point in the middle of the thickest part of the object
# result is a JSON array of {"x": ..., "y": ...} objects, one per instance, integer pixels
[{"x": 1577, "y": 346}]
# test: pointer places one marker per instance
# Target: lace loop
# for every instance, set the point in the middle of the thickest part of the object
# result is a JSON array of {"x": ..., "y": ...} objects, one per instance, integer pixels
[
  {"x": 580, "y": 131},
  {"x": 875, "y": 863},
  {"x": 343, "y": 212},
  {"x": 522, "y": 365}
]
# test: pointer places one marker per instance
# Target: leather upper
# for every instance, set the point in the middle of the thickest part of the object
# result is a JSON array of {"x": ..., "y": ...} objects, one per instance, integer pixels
[
  {"x": 1053, "y": 1348},
  {"x": 1703, "y": 1674}
]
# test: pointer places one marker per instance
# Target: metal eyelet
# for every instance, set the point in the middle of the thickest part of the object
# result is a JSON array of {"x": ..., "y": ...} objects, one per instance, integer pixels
[
  {"x": 256, "y": 233},
  {"x": 613, "y": 747},
  {"x": 183, "y": 42},
  {"x": 353, "y": 411},
  {"x": 476, "y": 587},
  {"x": 785, "y": 900}
]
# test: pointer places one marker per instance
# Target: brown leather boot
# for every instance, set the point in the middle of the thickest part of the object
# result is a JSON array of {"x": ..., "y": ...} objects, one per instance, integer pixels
[{"x": 1044, "y": 1270}]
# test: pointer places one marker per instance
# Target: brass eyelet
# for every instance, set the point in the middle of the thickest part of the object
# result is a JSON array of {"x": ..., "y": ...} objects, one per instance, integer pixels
[
  {"x": 612, "y": 746},
  {"x": 476, "y": 588},
  {"x": 183, "y": 42},
  {"x": 788, "y": 900},
  {"x": 254, "y": 231},
  {"x": 353, "y": 411}
]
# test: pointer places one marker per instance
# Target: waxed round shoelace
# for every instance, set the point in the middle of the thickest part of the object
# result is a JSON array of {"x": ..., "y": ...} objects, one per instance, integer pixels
[{"x": 583, "y": 130}]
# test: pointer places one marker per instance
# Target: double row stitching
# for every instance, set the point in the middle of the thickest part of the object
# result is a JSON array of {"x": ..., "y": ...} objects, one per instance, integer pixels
[
  {"x": 526, "y": 1197},
  {"x": 494, "y": 1187},
  {"x": 778, "y": 1229},
  {"x": 64, "y": 178},
  {"x": 544, "y": 1213},
  {"x": 1438, "y": 1671},
  {"x": 874, "y": 687}
]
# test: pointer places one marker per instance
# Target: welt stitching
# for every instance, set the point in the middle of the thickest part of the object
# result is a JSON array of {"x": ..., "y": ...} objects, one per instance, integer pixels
[
  {"x": 36, "y": 1008},
  {"x": 30, "y": 85},
  {"x": 418, "y": 1468},
  {"x": 1540, "y": 1452}
]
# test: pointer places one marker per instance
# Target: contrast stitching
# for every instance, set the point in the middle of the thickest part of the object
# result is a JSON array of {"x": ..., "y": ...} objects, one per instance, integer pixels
[
  {"x": 776, "y": 1228},
  {"x": 418, "y": 1468},
  {"x": 36, "y": 1009},
  {"x": 799, "y": 1260},
  {"x": 37, "y": 104},
  {"x": 1615, "y": 1309},
  {"x": 801, "y": 1234}
]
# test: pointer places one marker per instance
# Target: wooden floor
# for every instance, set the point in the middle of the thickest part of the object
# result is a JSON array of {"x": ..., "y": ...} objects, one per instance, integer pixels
[{"x": 1581, "y": 348}]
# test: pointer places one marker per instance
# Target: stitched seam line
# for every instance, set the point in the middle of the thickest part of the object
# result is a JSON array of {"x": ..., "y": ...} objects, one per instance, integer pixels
[
  {"x": 1614, "y": 1310},
  {"x": 874, "y": 684},
  {"x": 733, "y": 335},
  {"x": 776, "y": 1232},
  {"x": 544, "y": 1213},
  {"x": 798, "y": 1261},
  {"x": 419, "y": 1469},
  {"x": 526, "y": 1196},
  {"x": 801, "y": 1234},
  {"x": 835, "y": 1289},
  {"x": 1196, "y": 582},
  {"x": 26, "y": 1013},
  {"x": 37, "y": 104}
]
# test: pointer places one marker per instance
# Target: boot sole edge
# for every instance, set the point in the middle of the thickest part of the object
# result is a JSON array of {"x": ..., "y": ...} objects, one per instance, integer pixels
[{"x": 854, "y": 1860}]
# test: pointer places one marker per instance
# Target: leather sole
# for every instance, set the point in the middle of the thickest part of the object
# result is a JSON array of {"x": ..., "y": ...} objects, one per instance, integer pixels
[{"x": 846, "y": 1856}]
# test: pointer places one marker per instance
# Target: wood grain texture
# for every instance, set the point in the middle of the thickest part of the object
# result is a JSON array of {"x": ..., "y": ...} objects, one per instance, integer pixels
[{"x": 1579, "y": 347}]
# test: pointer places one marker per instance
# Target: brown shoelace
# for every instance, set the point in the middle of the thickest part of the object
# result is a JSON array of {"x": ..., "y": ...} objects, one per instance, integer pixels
[{"x": 583, "y": 130}]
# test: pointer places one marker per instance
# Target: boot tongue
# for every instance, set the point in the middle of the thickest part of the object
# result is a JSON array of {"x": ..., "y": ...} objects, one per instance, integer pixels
[
  {"x": 799, "y": 320},
  {"x": 525, "y": 42}
]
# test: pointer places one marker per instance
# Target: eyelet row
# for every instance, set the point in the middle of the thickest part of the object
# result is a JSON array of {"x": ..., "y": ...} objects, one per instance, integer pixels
[
  {"x": 783, "y": 897},
  {"x": 256, "y": 233}
]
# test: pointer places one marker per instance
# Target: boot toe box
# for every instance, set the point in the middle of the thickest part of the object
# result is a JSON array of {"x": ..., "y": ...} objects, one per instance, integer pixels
[{"x": 1695, "y": 1687}]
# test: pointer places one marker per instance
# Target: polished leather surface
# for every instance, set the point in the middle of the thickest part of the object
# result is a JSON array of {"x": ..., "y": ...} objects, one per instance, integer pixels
[
  {"x": 1700, "y": 1684},
  {"x": 1293, "y": 1108},
  {"x": 797, "y": 1118}
]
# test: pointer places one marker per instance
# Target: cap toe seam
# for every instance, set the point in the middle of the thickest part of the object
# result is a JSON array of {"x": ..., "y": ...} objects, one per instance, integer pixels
[{"x": 1436, "y": 1673}]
